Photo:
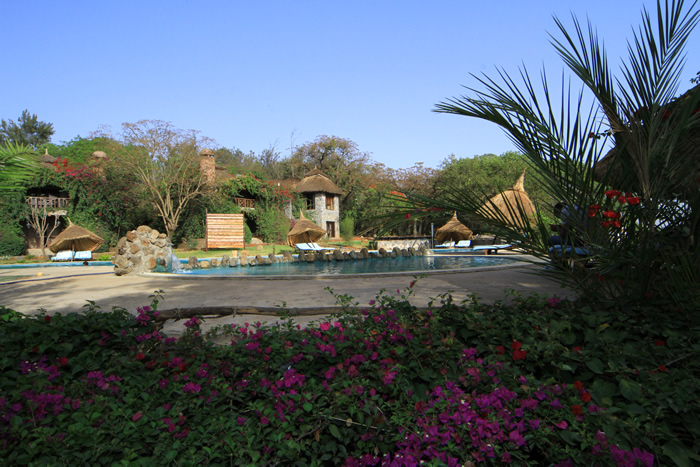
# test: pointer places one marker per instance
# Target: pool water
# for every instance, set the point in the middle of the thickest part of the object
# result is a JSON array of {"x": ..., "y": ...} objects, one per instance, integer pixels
[
  {"x": 416, "y": 264},
  {"x": 56, "y": 264}
]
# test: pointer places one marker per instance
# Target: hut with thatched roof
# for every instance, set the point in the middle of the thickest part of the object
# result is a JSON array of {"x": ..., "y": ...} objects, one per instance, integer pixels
[
  {"x": 76, "y": 238},
  {"x": 510, "y": 206},
  {"x": 323, "y": 198},
  {"x": 304, "y": 231},
  {"x": 453, "y": 231}
]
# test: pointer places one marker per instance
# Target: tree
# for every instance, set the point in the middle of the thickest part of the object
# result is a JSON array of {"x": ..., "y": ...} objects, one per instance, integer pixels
[
  {"x": 28, "y": 131},
  {"x": 341, "y": 160},
  {"x": 41, "y": 217},
  {"x": 640, "y": 218},
  {"x": 165, "y": 159}
]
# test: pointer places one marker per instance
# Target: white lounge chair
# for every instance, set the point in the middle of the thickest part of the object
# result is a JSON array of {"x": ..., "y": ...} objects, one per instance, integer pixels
[
  {"x": 304, "y": 247},
  {"x": 83, "y": 255},
  {"x": 64, "y": 255},
  {"x": 446, "y": 245},
  {"x": 318, "y": 247},
  {"x": 463, "y": 244}
]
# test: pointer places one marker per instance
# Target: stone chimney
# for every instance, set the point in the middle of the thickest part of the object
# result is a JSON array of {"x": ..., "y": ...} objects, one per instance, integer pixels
[{"x": 207, "y": 164}]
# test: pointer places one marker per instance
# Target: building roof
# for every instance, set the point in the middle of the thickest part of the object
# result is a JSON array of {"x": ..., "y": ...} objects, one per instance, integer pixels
[{"x": 317, "y": 182}]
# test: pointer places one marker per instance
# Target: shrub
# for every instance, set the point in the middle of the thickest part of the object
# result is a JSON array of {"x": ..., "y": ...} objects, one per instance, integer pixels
[
  {"x": 11, "y": 239},
  {"x": 541, "y": 382},
  {"x": 347, "y": 226}
]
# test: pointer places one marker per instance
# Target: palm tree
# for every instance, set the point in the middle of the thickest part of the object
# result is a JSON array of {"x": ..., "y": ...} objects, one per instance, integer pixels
[
  {"x": 651, "y": 249},
  {"x": 17, "y": 165}
]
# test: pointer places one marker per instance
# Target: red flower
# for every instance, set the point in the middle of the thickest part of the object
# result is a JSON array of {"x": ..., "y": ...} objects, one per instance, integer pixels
[
  {"x": 516, "y": 345},
  {"x": 63, "y": 361},
  {"x": 576, "y": 409},
  {"x": 577, "y": 349},
  {"x": 519, "y": 355},
  {"x": 621, "y": 200},
  {"x": 586, "y": 396},
  {"x": 47, "y": 319},
  {"x": 633, "y": 200},
  {"x": 136, "y": 416},
  {"x": 140, "y": 356},
  {"x": 500, "y": 350},
  {"x": 35, "y": 349},
  {"x": 578, "y": 385},
  {"x": 663, "y": 368},
  {"x": 660, "y": 343},
  {"x": 408, "y": 216},
  {"x": 612, "y": 194}
]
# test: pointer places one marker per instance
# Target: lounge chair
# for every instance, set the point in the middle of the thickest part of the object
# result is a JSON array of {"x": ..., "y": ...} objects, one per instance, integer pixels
[
  {"x": 446, "y": 245},
  {"x": 463, "y": 244},
  {"x": 492, "y": 249},
  {"x": 83, "y": 255},
  {"x": 64, "y": 255},
  {"x": 304, "y": 247},
  {"x": 318, "y": 247}
]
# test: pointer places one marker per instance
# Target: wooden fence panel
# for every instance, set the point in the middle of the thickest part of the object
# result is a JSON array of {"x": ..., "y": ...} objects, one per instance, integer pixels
[{"x": 225, "y": 231}]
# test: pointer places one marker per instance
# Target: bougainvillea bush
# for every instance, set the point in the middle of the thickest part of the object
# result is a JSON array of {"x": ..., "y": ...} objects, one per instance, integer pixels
[{"x": 538, "y": 382}]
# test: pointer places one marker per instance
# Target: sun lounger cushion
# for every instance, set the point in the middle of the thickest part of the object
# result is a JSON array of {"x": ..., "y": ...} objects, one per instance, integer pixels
[
  {"x": 463, "y": 244},
  {"x": 304, "y": 247},
  {"x": 446, "y": 245},
  {"x": 83, "y": 255},
  {"x": 65, "y": 255},
  {"x": 318, "y": 247}
]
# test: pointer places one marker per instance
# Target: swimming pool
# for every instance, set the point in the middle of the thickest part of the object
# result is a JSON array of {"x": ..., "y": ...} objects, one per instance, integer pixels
[
  {"x": 402, "y": 265},
  {"x": 54, "y": 265}
]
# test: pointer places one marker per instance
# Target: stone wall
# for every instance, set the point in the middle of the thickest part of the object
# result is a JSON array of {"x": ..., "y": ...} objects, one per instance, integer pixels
[
  {"x": 143, "y": 250},
  {"x": 404, "y": 243}
]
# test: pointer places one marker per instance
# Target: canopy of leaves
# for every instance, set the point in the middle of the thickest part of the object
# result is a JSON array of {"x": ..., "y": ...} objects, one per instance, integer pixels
[{"x": 27, "y": 131}]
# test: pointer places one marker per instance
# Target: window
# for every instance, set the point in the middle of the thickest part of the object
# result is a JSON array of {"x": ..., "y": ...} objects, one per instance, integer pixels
[
  {"x": 330, "y": 202},
  {"x": 310, "y": 203}
]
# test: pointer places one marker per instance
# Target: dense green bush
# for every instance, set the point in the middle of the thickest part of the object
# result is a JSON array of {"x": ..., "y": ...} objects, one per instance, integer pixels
[
  {"x": 11, "y": 238},
  {"x": 347, "y": 228},
  {"x": 540, "y": 382},
  {"x": 273, "y": 225}
]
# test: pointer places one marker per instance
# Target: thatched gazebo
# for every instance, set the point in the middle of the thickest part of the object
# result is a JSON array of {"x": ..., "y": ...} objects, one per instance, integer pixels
[
  {"x": 453, "y": 231},
  {"x": 76, "y": 238},
  {"x": 505, "y": 205},
  {"x": 304, "y": 231}
]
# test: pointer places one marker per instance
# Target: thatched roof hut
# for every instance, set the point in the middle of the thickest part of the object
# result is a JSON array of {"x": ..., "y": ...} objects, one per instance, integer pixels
[
  {"x": 505, "y": 205},
  {"x": 304, "y": 231},
  {"x": 76, "y": 238},
  {"x": 453, "y": 231},
  {"x": 317, "y": 182}
]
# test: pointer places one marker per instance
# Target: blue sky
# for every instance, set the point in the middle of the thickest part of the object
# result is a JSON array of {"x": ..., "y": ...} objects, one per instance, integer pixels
[{"x": 255, "y": 74}]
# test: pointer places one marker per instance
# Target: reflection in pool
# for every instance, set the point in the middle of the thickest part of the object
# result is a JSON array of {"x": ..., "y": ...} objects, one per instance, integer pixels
[{"x": 416, "y": 264}]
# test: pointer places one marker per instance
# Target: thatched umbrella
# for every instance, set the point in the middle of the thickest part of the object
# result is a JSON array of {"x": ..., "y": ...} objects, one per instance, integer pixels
[
  {"x": 75, "y": 238},
  {"x": 304, "y": 231},
  {"x": 453, "y": 231},
  {"x": 497, "y": 207}
]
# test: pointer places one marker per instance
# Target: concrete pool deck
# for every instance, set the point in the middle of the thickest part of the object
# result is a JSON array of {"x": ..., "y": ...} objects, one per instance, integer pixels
[{"x": 67, "y": 289}]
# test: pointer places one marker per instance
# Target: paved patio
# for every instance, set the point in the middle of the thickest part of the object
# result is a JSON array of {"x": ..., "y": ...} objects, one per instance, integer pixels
[{"x": 67, "y": 289}]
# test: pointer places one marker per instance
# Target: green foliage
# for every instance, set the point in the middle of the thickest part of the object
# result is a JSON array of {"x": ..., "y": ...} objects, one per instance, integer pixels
[
  {"x": 638, "y": 213},
  {"x": 11, "y": 238},
  {"x": 247, "y": 234},
  {"x": 347, "y": 228},
  {"x": 17, "y": 165},
  {"x": 273, "y": 225},
  {"x": 27, "y": 131},
  {"x": 79, "y": 150},
  {"x": 537, "y": 382}
]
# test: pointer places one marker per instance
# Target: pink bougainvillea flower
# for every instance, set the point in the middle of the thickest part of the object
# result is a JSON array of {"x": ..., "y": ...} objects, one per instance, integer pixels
[
  {"x": 136, "y": 416},
  {"x": 140, "y": 356},
  {"x": 325, "y": 326},
  {"x": 563, "y": 425}
]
